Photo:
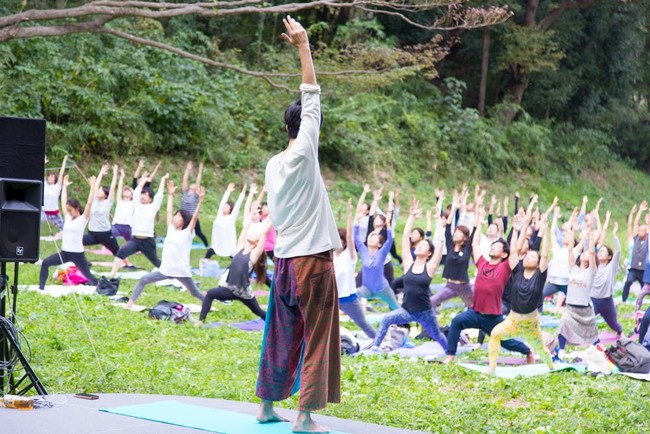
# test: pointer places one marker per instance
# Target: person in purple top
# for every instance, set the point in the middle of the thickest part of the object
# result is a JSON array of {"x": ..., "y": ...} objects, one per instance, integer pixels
[{"x": 374, "y": 284}]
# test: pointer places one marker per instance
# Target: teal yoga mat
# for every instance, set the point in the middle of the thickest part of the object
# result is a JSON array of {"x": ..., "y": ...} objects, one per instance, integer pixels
[
  {"x": 202, "y": 418},
  {"x": 525, "y": 370}
]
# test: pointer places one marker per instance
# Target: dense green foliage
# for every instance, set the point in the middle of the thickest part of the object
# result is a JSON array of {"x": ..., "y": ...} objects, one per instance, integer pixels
[{"x": 585, "y": 100}]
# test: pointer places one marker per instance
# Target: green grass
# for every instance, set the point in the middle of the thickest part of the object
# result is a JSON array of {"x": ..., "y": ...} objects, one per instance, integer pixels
[{"x": 133, "y": 354}]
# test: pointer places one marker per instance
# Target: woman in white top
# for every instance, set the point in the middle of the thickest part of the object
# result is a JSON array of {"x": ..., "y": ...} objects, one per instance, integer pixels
[
  {"x": 72, "y": 249},
  {"x": 51, "y": 193},
  {"x": 558, "y": 267},
  {"x": 99, "y": 225},
  {"x": 224, "y": 232},
  {"x": 123, "y": 210},
  {"x": 145, "y": 207},
  {"x": 175, "y": 262},
  {"x": 345, "y": 259}
]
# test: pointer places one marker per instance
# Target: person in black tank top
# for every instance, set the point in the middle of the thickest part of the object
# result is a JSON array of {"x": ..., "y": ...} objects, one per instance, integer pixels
[
  {"x": 459, "y": 253},
  {"x": 237, "y": 284},
  {"x": 417, "y": 278}
]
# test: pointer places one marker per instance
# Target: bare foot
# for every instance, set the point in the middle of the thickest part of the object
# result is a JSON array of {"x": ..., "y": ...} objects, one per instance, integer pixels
[
  {"x": 490, "y": 371},
  {"x": 449, "y": 359},
  {"x": 266, "y": 413},
  {"x": 530, "y": 358},
  {"x": 305, "y": 424},
  {"x": 129, "y": 305}
]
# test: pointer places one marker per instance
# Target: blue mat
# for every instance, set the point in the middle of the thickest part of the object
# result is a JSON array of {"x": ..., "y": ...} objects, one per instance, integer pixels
[
  {"x": 202, "y": 418},
  {"x": 525, "y": 370}
]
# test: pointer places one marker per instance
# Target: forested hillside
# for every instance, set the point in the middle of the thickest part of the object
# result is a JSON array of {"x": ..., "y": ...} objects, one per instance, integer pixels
[{"x": 564, "y": 89}]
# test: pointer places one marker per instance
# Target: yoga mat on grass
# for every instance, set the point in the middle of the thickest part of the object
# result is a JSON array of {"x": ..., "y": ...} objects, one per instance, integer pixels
[
  {"x": 510, "y": 361},
  {"x": 202, "y": 418},
  {"x": 254, "y": 325},
  {"x": 195, "y": 245},
  {"x": 129, "y": 275},
  {"x": 61, "y": 290},
  {"x": 642, "y": 377},
  {"x": 607, "y": 337},
  {"x": 547, "y": 321},
  {"x": 525, "y": 370},
  {"x": 429, "y": 351}
]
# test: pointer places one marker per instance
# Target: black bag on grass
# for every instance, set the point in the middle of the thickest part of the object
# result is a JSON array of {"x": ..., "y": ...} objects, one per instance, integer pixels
[
  {"x": 169, "y": 310},
  {"x": 629, "y": 356},
  {"x": 107, "y": 287}
]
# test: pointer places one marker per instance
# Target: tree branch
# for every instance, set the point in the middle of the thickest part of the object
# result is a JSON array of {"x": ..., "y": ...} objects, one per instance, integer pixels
[
  {"x": 460, "y": 18},
  {"x": 566, "y": 5}
]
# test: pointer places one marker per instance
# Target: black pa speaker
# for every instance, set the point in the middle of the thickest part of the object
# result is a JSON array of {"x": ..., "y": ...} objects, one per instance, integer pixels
[
  {"x": 20, "y": 219},
  {"x": 22, "y": 147},
  {"x": 22, "y": 166}
]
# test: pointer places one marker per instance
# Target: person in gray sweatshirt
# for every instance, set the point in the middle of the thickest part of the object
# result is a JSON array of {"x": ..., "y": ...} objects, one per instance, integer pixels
[{"x": 603, "y": 286}]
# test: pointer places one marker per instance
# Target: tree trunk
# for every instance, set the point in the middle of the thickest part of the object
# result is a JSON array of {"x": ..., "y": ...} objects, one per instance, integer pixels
[
  {"x": 514, "y": 94},
  {"x": 485, "y": 59},
  {"x": 519, "y": 80}
]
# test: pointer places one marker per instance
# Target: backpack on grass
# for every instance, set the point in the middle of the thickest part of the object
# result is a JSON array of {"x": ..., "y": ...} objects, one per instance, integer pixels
[
  {"x": 629, "y": 356},
  {"x": 169, "y": 310},
  {"x": 107, "y": 286}
]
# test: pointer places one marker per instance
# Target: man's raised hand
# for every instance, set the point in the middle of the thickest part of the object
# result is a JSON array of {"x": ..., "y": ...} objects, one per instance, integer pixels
[{"x": 296, "y": 35}]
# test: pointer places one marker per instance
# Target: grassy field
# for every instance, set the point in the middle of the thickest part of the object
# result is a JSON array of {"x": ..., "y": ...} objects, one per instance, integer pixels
[{"x": 83, "y": 343}]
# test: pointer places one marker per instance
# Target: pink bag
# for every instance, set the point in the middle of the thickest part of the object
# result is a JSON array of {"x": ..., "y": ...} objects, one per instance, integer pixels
[{"x": 72, "y": 276}]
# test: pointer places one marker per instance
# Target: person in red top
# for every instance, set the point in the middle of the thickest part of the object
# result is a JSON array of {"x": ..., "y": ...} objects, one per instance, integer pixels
[{"x": 486, "y": 312}]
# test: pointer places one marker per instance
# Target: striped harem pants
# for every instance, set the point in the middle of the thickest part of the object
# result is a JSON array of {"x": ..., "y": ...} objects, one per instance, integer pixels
[{"x": 301, "y": 347}]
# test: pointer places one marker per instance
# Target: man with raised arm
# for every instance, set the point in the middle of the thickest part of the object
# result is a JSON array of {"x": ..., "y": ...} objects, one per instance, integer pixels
[
  {"x": 486, "y": 310},
  {"x": 301, "y": 348}
]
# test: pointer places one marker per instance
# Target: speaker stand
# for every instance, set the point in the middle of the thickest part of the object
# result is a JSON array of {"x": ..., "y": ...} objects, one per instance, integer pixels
[{"x": 9, "y": 347}]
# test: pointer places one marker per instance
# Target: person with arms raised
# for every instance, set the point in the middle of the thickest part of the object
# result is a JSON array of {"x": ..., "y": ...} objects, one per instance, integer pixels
[
  {"x": 301, "y": 348},
  {"x": 486, "y": 310},
  {"x": 175, "y": 262}
]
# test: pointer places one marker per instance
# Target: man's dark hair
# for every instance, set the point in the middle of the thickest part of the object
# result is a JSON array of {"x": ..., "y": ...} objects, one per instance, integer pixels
[
  {"x": 506, "y": 246},
  {"x": 292, "y": 117},
  {"x": 149, "y": 191}
]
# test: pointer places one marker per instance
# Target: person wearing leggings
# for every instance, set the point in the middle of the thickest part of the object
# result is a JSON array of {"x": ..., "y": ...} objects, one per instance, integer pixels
[
  {"x": 237, "y": 284},
  {"x": 526, "y": 287},
  {"x": 639, "y": 252},
  {"x": 645, "y": 289},
  {"x": 145, "y": 208},
  {"x": 603, "y": 286},
  {"x": 99, "y": 225},
  {"x": 72, "y": 249},
  {"x": 175, "y": 262},
  {"x": 459, "y": 252},
  {"x": 418, "y": 273},
  {"x": 345, "y": 259},
  {"x": 485, "y": 313},
  {"x": 190, "y": 199},
  {"x": 51, "y": 192},
  {"x": 123, "y": 216},
  {"x": 559, "y": 267},
  {"x": 643, "y": 327},
  {"x": 374, "y": 284}
]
